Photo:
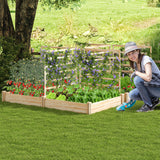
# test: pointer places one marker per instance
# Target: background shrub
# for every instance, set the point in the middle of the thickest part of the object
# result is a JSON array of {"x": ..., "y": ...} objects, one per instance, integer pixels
[
  {"x": 153, "y": 3},
  {"x": 9, "y": 53},
  {"x": 25, "y": 70}
]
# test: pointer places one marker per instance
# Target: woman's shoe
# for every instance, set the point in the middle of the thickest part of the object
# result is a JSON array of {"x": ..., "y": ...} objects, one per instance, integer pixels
[
  {"x": 155, "y": 102},
  {"x": 131, "y": 103},
  {"x": 121, "y": 107},
  {"x": 145, "y": 108},
  {"x": 126, "y": 105}
]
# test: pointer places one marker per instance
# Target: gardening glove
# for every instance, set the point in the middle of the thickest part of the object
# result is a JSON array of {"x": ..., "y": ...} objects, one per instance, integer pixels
[{"x": 132, "y": 76}]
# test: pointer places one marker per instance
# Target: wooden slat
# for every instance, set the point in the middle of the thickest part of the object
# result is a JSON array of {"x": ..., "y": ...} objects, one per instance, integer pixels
[
  {"x": 125, "y": 65},
  {"x": 157, "y": 61},
  {"x": 126, "y": 97},
  {"x": 122, "y": 98},
  {"x": 103, "y": 85},
  {"x": 97, "y": 50},
  {"x": 66, "y": 105},
  {"x": 3, "y": 96},
  {"x": 106, "y": 104},
  {"x": 124, "y": 71},
  {"x": 22, "y": 99},
  {"x": 51, "y": 87},
  {"x": 99, "y": 45}
]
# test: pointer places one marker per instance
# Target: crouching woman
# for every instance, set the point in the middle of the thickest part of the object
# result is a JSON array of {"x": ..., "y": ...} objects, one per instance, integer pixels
[{"x": 146, "y": 78}]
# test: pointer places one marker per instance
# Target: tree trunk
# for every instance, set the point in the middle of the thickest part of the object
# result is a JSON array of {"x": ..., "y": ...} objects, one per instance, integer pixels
[
  {"x": 25, "y": 15},
  {"x": 6, "y": 24}
]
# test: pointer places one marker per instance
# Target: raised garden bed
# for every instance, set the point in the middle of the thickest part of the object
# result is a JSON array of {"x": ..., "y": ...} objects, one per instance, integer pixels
[
  {"x": 87, "y": 108},
  {"x": 65, "y": 69}
]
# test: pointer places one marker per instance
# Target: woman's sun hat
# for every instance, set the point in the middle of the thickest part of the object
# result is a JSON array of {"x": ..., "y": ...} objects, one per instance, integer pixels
[{"x": 130, "y": 46}]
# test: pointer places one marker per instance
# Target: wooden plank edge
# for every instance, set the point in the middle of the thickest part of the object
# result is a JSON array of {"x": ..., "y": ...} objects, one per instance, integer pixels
[
  {"x": 3, "y": 96},
  {"x": 89, "y": 108},
  {"x": 105, "y": 107}
]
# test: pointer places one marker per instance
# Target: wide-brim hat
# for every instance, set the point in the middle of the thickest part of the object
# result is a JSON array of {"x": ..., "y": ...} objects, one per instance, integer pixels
[{"x": 130, "y": 46}]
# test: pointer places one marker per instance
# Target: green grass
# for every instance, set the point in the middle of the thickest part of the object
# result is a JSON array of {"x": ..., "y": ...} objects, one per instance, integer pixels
[
  {"x": 33, "y": 133},
  {"x": 115, "y": 21}
]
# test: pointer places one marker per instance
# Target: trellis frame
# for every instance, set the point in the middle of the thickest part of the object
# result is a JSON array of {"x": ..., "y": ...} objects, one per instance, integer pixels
[{"x": 100, "y": 51}]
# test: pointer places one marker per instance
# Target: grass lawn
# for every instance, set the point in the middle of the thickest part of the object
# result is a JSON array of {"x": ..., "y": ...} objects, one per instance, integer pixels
[
  {"x": 113, "y": 20},
  {"x": 33, "y": 133}
]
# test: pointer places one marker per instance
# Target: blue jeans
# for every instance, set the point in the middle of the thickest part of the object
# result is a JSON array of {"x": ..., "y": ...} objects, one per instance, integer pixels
[{"x": 144, "y": 93}]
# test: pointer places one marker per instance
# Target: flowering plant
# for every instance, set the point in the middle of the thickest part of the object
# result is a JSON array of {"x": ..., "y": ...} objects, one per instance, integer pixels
[
  {"x": 26, "y": 78},
  {"x": 25, "y": 88},
  {"x": 58, "y": 66},
  {"x": 83, "y": 67},
  {"x": 126, "y": 84}
]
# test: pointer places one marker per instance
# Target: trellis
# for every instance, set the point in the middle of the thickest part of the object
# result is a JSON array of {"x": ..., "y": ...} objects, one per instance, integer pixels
[{"x": 99, "y": 53}]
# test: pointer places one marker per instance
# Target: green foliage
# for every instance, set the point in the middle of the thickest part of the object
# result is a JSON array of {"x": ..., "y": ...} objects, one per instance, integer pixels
[
  {"x": 25, "y": 77},
  {"x": 61, "y": 97},
  {"x": 24, "y": 70},
  {"x": 58, "y": 4},
  {"x": 96, "y": 95},
  {"x": 126, "y": 84},
  {"x": 9, "y": 53},
  {"x": 51, "y": 96},
  {"x": 153, "y": 3},
  {"x": 155, "y": 42}
]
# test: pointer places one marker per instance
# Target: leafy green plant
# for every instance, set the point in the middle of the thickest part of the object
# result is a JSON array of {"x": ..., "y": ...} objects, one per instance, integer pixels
[
  {"x": 61, "y": 97},
  {"x": 25, "y": 70},
  {"x": 51, "y": 95},
  {"x": 95, "y": 95}
]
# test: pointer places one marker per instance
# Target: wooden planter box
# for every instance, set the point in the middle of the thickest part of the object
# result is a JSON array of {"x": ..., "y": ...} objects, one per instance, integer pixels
[{"x": 87, "y": 108}]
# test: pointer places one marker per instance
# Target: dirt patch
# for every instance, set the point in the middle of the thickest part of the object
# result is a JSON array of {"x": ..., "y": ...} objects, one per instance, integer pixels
[{"x": 146, "y": 23}]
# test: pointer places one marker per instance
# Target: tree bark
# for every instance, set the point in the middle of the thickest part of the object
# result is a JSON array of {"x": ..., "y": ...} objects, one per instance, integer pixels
[
  {"x": 25, "y": 15},
  {"x": 6, "y": 24}
]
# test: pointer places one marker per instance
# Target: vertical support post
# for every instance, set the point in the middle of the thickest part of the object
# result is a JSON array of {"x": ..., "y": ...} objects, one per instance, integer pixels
[
  {"x": 76, "y": 74},
  {"x": 80, "y": 75},
  {"x": 45, "y": 80},
  {"x": 119, "y": 52},
  {"x": 89, "y": 107},
  {"x": 126, "y": 97},
  {"x": 3, "y": 96},
  {"x": 43, "y": 101},
  {"x": 122, "y": 98}
]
